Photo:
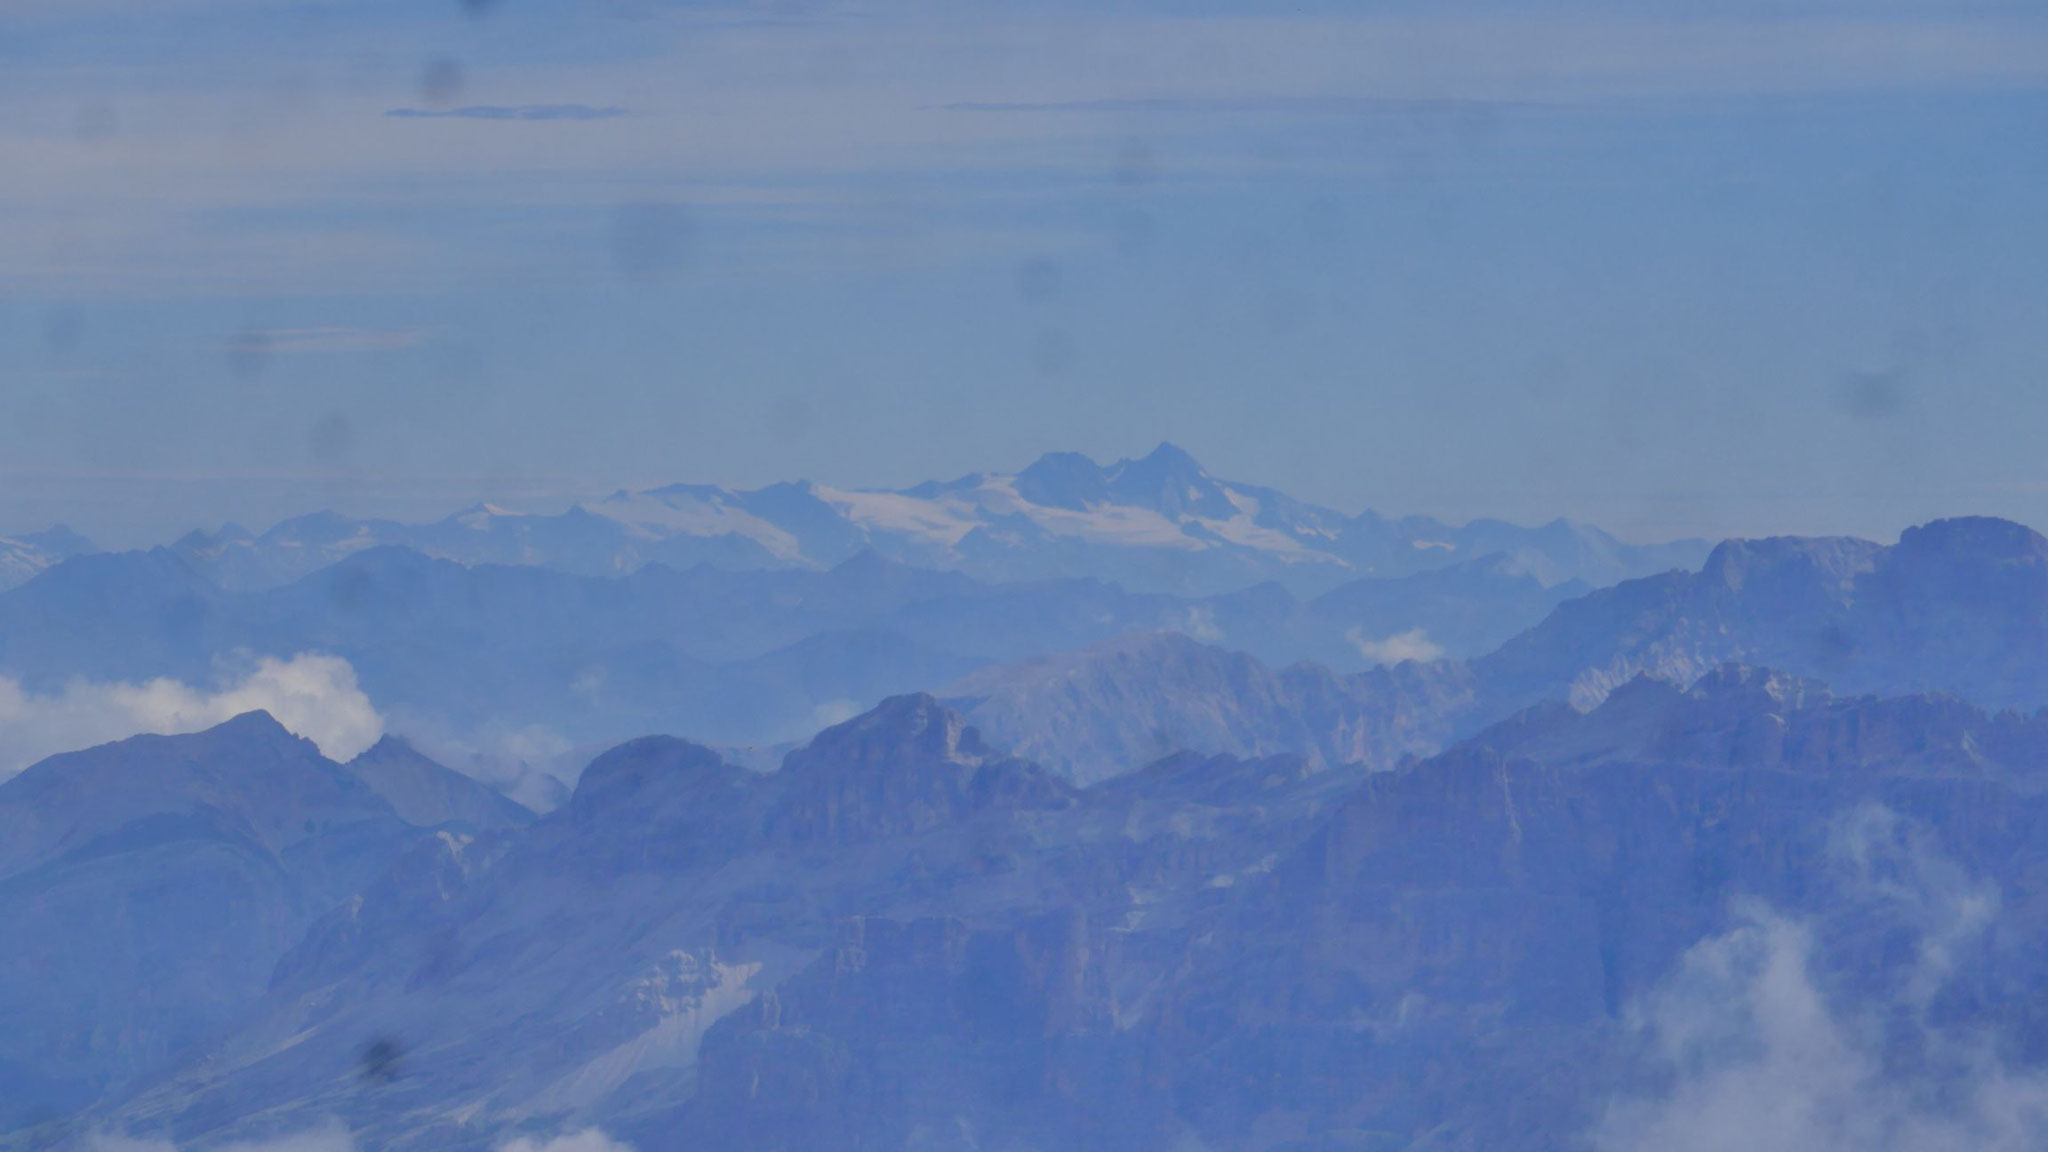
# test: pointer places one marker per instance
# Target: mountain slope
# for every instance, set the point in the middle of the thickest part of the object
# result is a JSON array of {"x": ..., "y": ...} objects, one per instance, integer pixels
[
  {"x": 23, "y": 556},
  {"x": 149, "y": 886},
  {"x": 671, "y": 892},
  {"x": 427, "y": 795}
]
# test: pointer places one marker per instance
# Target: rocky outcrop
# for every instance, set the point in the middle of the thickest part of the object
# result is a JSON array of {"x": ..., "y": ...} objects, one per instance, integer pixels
[
  {"x": 1117, "y": 706},
  {"x": 909, "y": 766}
]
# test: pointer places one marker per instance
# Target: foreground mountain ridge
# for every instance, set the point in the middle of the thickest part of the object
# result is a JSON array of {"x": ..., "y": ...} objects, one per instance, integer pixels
[{"x": 906, "y": 938}]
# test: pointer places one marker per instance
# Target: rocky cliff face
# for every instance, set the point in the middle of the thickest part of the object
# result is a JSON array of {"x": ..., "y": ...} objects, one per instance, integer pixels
[
  {"x": 908, "y": 767},
  {"x": 1116, "y": 706}
]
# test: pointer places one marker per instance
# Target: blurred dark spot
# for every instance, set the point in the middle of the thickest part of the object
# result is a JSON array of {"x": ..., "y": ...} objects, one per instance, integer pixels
[
  {"x": 791, "y": 415},
  {"x": 1039, "y": 279},
  {"x": 1833, "y": 647},
  {"x": 480, "y": 7},
  {"x": 1322, "y": 219},
  {"x": 182, "y": 620},
  {"x": 652, "y": 241},
  {"x": 95, "y": 124},
  {"x": 1871, "y": 395},
  {"x": 1134, "y": 231},
  {"x": 332, "y": 438},
  {"x": 62, "y": 331},
  {"x": 350, "y": 589},
  {"x": 382, "y": 1060},
  {"x": 835, "y": 64},
  {"x": 440, "y": 82},
  {"x": 1287, "y": 309},
  {"x": 248, "y": 353},
  {"x": 1250, "y": 250},
  {"x": 1052, "y": 353},
  {"x": 1135, "y": 165}
]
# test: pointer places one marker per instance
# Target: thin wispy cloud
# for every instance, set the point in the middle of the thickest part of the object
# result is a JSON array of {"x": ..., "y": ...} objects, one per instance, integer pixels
[
  {"x": 512, "y": 112},
  {"x": 333, "y": 339},
  {"x": 1272, "y": 105},
  {"x": 1756, "y": 1051},
  {"x": 746, "y": 101}
]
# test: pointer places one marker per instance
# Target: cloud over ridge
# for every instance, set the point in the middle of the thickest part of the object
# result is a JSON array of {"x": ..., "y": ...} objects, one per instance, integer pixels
[{"x": 313, "y": 694}]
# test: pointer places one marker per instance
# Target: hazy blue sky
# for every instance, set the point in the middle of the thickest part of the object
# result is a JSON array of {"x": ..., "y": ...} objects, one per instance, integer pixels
[{"x": 1673, "y": 267}]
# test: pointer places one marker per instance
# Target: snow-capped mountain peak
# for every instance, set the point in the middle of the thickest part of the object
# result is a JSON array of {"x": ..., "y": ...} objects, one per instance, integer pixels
[{"x": 1160, "y": 522}]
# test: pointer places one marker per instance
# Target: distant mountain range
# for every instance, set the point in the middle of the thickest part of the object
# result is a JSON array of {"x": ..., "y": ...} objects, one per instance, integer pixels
[
  {"x": 1157, "y": 524},
  {"x": 1957, "y": 606},
  {"x": 1084, "y": 676},
  {"x": 907, "y": 938},
  {"x": 732, "y": 658}
]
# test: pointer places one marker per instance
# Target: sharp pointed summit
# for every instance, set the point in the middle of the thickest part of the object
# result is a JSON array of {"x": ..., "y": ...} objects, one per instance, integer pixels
[{"x": 1172, "y": 482}]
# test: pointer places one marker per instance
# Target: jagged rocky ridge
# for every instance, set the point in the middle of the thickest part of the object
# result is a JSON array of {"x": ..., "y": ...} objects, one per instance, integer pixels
[{"x": 907, "y": 939}]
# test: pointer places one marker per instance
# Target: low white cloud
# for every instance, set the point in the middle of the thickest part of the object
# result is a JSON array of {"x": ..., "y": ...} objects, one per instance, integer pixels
[
  {"x": 1200, "y": 624},
  {"x": 533, "y": 764},
  {"x": 832, "y": 712},
  {"x": 1413, "y": 644},
  {"x": 588, "y": 1140},
  {"x": 1755, "y": 1054},
  {"x": 313, "y": 695}
]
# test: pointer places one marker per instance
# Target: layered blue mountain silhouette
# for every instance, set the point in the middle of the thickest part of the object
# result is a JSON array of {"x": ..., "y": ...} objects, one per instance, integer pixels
[{"x": 1464, "y": 856}]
